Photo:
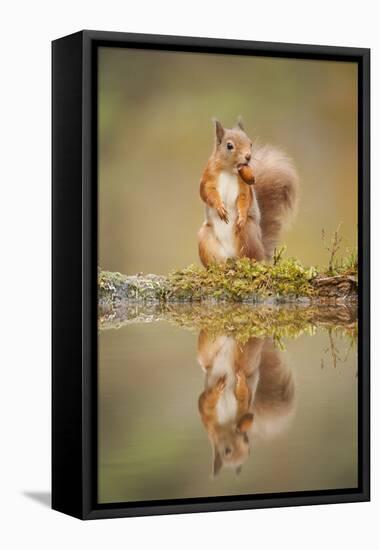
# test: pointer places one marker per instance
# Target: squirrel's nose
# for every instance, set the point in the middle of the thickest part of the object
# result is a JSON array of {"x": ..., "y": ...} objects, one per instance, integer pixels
[{"x": 248, "y": 157}]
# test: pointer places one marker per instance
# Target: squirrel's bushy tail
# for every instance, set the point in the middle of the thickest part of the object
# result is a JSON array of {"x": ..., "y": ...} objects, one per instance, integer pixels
[{"x": 277, "y": 189}]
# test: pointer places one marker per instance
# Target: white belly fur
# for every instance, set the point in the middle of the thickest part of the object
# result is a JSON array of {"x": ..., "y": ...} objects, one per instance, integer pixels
[
  {"x": 224, "y": 365},
  {"x": 227, "y": 187}
]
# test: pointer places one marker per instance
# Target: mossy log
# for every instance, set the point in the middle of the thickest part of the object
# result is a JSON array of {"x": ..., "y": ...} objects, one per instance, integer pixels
[{"x": 257, "y": 284}]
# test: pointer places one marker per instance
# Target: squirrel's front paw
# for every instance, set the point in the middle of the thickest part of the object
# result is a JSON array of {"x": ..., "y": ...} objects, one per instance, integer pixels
[
  {"x": 241, "y": 379},
  {"x": 222, "y": 212},
  {"x": 240, "y": 374},
  {"x": 221, "y": 384},
  {"x": 240, "y": 223}
]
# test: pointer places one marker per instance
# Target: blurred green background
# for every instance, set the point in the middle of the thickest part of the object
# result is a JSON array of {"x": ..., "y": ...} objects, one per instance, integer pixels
[{"x": 155, "y": 136}]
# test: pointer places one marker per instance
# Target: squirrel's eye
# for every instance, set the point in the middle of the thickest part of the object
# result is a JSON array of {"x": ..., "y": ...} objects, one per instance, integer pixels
[{"x": 229, "y": 146}]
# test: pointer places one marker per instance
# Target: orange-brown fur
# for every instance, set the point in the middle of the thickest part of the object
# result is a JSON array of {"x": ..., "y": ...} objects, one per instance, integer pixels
[
  {"x": 256, "y": 228},
  {"x": 263, "y": 387}
]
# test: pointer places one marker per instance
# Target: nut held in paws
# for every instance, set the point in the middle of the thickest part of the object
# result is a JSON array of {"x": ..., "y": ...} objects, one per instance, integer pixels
[{"x": 247, "y": 174}]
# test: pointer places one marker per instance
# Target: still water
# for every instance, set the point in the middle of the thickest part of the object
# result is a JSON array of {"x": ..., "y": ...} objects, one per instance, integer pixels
[{"x": 185, "y": 413}]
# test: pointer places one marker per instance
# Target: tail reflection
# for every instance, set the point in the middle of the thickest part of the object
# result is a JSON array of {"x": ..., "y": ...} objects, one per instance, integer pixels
[{"x": 249, "y": 392}]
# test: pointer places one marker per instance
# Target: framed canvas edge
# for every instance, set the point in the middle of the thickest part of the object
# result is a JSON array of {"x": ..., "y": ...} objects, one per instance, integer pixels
[
  {"x": 67, "y": 318},
  {"x": 88, "y": 282}
]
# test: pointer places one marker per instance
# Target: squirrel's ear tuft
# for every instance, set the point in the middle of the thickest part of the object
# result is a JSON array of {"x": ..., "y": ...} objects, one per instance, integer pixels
[
  {"x": 240, "y": 123},
  {"x": 219, "y": 131}
]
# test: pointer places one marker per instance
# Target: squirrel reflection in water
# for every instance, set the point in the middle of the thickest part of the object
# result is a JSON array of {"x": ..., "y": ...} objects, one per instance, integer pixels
[{"x": 249, "y": 392}]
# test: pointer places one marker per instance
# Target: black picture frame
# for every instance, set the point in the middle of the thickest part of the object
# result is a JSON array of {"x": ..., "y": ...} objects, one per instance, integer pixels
[{"x": 74, "y": 273}]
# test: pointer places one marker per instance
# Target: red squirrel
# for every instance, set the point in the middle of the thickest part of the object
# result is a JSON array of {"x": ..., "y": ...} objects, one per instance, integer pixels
[
  {"x": 249, "y": 195},
  {"x": 249, "y": 394}
]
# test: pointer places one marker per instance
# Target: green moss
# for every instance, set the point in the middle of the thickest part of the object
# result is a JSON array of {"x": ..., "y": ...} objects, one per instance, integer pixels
[
  {"x": 241, "y": 280},
  {"x": 244, "y": 279}
]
